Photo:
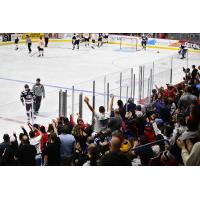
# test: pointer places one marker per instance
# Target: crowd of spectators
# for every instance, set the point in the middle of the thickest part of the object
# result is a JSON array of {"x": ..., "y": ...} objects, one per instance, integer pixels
[{"x": 162, "y": 133}]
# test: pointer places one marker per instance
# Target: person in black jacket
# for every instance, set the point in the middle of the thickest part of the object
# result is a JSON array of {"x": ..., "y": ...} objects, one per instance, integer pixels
[
  {"x": 194, "y": 73},
  {"x": 115, "y": 157},
  {"x": 9, "y": 152},
  {"x": 26, "y": 153},
  {"x": 5, "y": 144}
]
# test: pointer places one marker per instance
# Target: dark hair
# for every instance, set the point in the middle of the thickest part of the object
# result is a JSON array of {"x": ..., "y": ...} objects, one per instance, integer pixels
[
  {"x": 53, "y": 137},
  {"x": 194, "y": 140},
  {"x": 38, "y": 79},
  {"x": 138, "y": 107},
  {"x": 42, "y": 129},
  {"x": 36, "y": 126},
  {"x": 50, "y": 128},
  {"x": 181, "y": 120},
  {"x": 31, "y": 134},
  {"x": 192, "y": 125},
  {"x": 101, "y": 109},
  {"x": 169, "y": 131},
  {"x": 26, "y": 86},
  {"x": 193, "y": 66},
  {"x": 20, "y": 136},
  {"x": 195, "y": 112},
  {"x": 120, "y": 103},
  {"x": 59, "y": 128},
  {"x": 65, "y": 129},
  {"x": 65, "y": 120},
  {"x": 154, "y": 91},
  {"x": 6, "y": 137},
  {"x": 95, "y": 155}
]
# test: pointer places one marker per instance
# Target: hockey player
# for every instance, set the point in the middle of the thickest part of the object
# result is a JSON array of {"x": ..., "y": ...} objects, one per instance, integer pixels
[
  {"x": 100, "y": 39},
  {"x": 106, "y": 37},
  {"x": 41, "y": 47},
  {"x": 46, "y": 39},
  {"x": 86, "y": 37},
  {"x": 93, "y": 38},
  {"x": 39, "y": 92},
  {"x": 16, "y": 43},
  {"x": 144, "y": 41},
  {"x": 183, "y": 51},
  {"x": 75, "y": 41},
  {"x": 29, "y": 43},
  {"x": 27, "y": 97}
]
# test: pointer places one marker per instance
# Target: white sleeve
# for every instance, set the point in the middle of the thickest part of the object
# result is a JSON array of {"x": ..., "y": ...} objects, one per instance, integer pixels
[
  {"x": 38, "y": 138},
  {"x": 157, "y": 130},
  {"x": 96, "y": 114}
]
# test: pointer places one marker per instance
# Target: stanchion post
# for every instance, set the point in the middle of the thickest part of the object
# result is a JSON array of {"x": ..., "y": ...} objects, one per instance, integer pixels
[
  {"x": 72, "y": 101},
  {"x": 153, "y": 73},
  {"x": 120, "y": 86},
  {"x": 64, "y": 107},
  {"x": 148, "y": 91},
  {"x": 108, "y": 95},
  {"x": 126, "y": 98},
  {"x": 151, "y": 82},
  {"x": 171, "y": 70},
  {"x": 81, "y": 105},
  {"x": 60, "y": 103},
  {"x": 93, "y": 101},
  {"x": 131, "y": 82},
  {"x": 104, "y": 91},
  {"x": 143, "y": 81},
  {"x": 134, "y": 87}
]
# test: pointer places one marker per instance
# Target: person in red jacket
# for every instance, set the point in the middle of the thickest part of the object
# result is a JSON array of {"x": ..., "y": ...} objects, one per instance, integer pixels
[{"x": 169, "y": 92}]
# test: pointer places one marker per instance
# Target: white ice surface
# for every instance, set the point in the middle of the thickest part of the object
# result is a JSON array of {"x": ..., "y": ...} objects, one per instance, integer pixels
[{"x": 62, "y": 67}]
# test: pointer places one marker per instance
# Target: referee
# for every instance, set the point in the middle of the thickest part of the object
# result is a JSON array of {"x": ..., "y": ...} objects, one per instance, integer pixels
[{"x": 39, "y": 92}]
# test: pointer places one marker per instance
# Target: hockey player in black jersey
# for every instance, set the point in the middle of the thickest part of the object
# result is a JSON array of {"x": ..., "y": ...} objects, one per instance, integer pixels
[
  {"x": 27, "y": 97},
  {"x": 75, "y": 41},
  {"x": 144, "y": 41},
  {"x": 16, "y": 43},
  {"x": 100, "y": 40},
  {"x": 183, "y": 51}
]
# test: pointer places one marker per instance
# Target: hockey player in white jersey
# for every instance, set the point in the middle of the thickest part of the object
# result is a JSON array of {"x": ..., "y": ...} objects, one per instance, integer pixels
[
  {"x": 105, "y": 36},
  {"x": 41, "y": 47},
  {"x": 86, "y": 37},
  {"x": 100, "y": 40},
  {"x": 75, "y": 41},
  {"x": 27, "y": 97},
  {"x": 144, "y": 41}
]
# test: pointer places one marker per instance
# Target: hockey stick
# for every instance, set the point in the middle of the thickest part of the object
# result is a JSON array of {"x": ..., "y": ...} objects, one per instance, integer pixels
[
  {"x": 32, "y": 114},
  {"x": 34, "y": 53}
]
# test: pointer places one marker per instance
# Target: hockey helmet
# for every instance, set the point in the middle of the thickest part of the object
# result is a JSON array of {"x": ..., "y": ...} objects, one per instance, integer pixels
[{"x": 26, "y": 86}]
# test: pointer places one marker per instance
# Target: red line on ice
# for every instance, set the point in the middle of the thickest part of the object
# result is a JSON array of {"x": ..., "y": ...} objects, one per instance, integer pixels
[{"x": 12, "y": 120}]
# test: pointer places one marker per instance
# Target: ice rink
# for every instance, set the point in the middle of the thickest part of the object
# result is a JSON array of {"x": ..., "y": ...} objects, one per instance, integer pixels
[{"x": 60, "y": 68}]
